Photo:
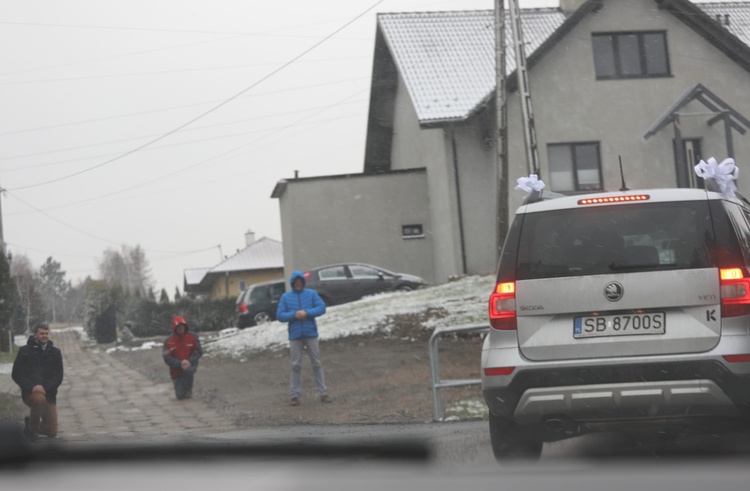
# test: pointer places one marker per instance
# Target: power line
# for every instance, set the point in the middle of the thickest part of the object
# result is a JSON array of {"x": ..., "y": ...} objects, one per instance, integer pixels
[{"x": 206, "y": 113}]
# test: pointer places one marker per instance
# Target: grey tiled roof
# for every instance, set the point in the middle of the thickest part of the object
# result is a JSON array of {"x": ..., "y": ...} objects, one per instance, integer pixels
[
  {"x": 447, "y": 59},
  {"x": 739, "y": 17},
  {"x": 264, "y": 253}
]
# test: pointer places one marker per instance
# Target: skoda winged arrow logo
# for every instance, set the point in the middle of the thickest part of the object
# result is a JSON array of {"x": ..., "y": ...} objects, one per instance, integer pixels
[{"x": 613, "y": 291}]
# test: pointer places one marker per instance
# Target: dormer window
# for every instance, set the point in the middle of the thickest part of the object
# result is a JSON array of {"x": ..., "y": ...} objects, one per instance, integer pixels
[{"x": 619, "y": 55}]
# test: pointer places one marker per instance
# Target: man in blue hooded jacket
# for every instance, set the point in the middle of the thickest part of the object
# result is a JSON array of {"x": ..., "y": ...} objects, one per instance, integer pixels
[{"x": 299, "y": 307}]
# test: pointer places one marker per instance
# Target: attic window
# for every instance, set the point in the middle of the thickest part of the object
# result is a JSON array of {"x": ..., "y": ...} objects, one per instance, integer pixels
[
  {"x": 619, "y": 55},
  {"x": 412, "y": 231}
]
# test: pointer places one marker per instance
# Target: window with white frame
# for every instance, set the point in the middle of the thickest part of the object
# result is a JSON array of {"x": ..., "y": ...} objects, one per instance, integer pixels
[{"x": 574, "y": 167}]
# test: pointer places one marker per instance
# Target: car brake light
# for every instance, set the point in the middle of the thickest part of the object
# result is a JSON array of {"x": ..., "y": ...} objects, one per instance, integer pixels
[
  {"x": 614, "y": 199},
  {"x": 495, "y": 371},
  {"x": 737, "y": 358},
  {"x": 307, "y": 275},
  {"x": 735, "y": 292},
  {"x": 503, "y": 307},
  {"x": 242, "y": 308}
]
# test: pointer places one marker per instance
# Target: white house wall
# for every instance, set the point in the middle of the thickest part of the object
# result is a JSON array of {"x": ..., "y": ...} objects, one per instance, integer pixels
[
  {"x": 570, "y": 105},
  {"x": 357, "y": 219},
  {"x": 413, "y": 147}
]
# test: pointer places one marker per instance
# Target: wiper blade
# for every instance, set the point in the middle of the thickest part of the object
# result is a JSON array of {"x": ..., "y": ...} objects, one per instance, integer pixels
[{"x": 614, "y": 266}]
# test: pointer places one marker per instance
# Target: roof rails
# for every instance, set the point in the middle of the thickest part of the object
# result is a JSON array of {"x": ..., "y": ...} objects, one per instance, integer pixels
[
  {"x": 714, "y": 186},
  {"x": 536, "y": 196}
]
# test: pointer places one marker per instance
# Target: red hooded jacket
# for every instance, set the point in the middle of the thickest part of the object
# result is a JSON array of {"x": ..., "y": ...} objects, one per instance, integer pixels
[{"x": 178, "y": 347}]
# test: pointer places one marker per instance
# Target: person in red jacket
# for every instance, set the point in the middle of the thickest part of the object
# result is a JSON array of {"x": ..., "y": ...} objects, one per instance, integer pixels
[{"x": 181, "y": 353}]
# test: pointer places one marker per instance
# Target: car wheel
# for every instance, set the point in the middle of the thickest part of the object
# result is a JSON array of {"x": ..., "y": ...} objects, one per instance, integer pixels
[
  {"x": 262, "y": 318},
  {"x": 404, "y": 288},
  {"x": 511, "y": 441}
]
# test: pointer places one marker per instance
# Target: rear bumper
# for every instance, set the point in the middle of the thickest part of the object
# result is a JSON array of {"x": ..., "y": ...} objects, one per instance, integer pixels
[{"x": 622, "y": 392}]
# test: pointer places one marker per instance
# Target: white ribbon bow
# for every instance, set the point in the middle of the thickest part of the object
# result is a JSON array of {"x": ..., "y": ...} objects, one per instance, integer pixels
[
  {"x": 724, "y": 174},
  {"x": 529, "y": 184}
]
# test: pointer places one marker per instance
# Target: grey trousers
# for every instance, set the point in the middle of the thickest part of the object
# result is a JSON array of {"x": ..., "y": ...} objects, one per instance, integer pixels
[
  {"x": 183, "y": 384},
  {"x": 296, "y": 347}
]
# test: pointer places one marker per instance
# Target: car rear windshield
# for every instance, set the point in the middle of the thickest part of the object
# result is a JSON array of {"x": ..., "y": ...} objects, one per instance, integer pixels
[{"x": 616, "y": 239}]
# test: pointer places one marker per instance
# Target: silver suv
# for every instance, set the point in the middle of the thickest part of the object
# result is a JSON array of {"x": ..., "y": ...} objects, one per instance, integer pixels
[{"x": 618, "y": 308}]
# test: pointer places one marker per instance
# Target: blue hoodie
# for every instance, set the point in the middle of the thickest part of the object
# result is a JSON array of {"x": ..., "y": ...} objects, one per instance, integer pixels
[{"x": 294, "y": 300}]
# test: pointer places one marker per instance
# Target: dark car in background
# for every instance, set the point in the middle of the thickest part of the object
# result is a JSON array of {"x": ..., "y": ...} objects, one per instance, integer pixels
[
  {"x": 257, "y": 304},
  {"x": 347, "y": 282}
]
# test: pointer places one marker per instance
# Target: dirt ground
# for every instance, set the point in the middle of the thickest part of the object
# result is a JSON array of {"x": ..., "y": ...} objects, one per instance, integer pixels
[{"x": 376, "y": 378}]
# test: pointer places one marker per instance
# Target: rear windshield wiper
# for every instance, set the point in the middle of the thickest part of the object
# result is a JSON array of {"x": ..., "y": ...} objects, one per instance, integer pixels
[{"x": 614, "y": 266}]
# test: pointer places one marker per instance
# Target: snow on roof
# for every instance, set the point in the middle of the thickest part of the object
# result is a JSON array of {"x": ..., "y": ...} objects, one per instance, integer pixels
[
  {"x": 264, "y": 253},
  {"x": 195, "y": 276},
  {"x": 734, "y": 16},
  {"x": 447, "y": 59}
]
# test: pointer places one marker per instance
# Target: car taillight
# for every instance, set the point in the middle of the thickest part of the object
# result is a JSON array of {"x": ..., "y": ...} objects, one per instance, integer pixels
[
  {"x": 503, "y": 307},
  {"x": 242, "y": 308},
  {"x": 307, "y": 276},
  {"x": 735, "y": 292}
]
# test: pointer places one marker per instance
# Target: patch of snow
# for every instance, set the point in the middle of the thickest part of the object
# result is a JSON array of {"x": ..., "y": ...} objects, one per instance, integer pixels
[{"x": 462, "y": 302}]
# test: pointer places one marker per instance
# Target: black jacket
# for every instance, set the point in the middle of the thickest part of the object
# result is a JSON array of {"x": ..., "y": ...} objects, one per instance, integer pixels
[{"x": 35, "y": 366}]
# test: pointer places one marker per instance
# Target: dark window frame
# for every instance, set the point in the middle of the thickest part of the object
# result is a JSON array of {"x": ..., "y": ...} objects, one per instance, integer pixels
[
  {"x": 413, "y": 231},
  {"x": 617, "y": 59},
  {"x": 576, "y": 185}
]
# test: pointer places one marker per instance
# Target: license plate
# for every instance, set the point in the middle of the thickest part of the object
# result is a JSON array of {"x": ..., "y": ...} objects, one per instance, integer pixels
[{"x": 619, "y": 325}]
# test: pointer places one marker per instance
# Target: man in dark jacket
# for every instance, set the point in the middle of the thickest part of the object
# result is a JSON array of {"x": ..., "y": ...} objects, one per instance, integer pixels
[
  {"x": 299, "y": 307},
  {"x": 38, "y": 371},
  {"x": 181, "y": 353}
]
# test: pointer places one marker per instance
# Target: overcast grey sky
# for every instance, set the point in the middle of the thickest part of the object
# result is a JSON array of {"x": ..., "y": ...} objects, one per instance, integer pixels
[{"x": 167, "y": 123}]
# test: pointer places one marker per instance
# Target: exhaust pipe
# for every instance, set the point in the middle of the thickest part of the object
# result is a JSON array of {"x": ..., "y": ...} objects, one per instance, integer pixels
[{"x": 560, "y": 423}]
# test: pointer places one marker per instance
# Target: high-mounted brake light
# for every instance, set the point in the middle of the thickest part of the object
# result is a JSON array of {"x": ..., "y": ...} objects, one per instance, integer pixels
[
  {"x": 614, "y": 199},
  {"x": 503, "y": 307},
  {"x": 735, "y": 292}
]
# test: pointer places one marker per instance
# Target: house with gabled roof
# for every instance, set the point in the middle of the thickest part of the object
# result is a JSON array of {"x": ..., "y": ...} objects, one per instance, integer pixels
[
  {"x": 261, "y": 260},
  {"x": 656, "y": 85}
]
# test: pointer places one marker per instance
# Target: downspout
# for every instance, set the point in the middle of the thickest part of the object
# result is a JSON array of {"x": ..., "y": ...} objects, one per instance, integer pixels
[{"x": 458, "y": 199}]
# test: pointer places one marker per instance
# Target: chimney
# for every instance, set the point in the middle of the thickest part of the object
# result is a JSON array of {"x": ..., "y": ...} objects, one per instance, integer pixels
[
  {"x": 570, "y": 6},
  {"x": 249, "y": 237}
]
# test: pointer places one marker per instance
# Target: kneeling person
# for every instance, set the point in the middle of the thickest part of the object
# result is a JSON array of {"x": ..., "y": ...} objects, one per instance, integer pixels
[
  {"x": 181, "y": 353},
  {"x": 38, "y": 371}
]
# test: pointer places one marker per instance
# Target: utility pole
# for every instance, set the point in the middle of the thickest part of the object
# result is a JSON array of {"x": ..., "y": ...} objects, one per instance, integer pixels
[
  {"x": 501, "y": 148},
  {"x": 524, "y": 90},
  {"x": 2, "y": 237}
]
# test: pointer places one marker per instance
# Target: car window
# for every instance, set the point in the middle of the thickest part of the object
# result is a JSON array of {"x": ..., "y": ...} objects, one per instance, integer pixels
[
  {"x": 359, "y": 271},
  {"x": 276, "y": 291},
  {"x": 336, "y": 272},
  {"x": 603, "y": 240},
  {"x": 259, "y": 293}
]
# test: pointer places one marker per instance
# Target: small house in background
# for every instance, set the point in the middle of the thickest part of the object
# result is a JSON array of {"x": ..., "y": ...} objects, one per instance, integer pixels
[
  {"x": 192, "y": 283},
  {"x": 260, "y": 260}
]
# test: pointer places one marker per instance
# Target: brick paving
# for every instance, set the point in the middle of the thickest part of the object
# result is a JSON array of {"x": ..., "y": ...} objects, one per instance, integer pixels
[{"x": 101, "y": 399}]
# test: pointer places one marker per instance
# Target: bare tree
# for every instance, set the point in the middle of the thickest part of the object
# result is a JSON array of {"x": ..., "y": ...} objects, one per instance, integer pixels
[
  {"x": 28, "y": 289},
  {"x": 127, "y": 268}
]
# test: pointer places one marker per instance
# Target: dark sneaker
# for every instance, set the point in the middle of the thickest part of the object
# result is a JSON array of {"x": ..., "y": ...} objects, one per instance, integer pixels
[
  {"x": 294, "y": 401},
  {"x": 325, "y": 398}
]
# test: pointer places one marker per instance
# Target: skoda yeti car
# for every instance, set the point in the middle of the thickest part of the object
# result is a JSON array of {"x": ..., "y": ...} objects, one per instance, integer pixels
[{"x": 616, "y": 309}]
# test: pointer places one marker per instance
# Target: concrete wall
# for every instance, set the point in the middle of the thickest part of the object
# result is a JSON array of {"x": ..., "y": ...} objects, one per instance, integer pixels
[{"x": 357, "y": 218}]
